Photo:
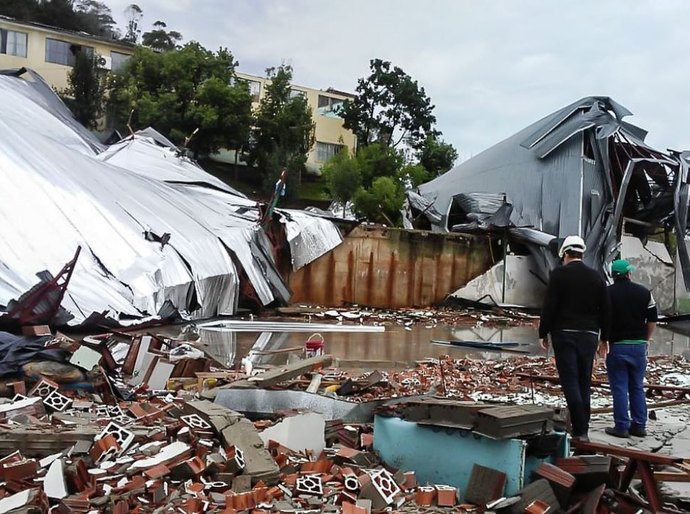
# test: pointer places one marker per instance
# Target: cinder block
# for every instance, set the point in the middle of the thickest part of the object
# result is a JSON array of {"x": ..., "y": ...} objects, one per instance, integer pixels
[
  {"x": 485, "y": 485},
  {"x": 538, "y": 490}
]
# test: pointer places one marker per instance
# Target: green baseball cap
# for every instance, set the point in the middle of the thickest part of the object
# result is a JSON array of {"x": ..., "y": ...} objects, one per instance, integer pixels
[{"x": 621, "y": 267}]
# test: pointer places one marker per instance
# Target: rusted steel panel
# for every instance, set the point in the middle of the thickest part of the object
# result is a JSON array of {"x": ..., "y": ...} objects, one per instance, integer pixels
[{"x": 383, "y": 267}]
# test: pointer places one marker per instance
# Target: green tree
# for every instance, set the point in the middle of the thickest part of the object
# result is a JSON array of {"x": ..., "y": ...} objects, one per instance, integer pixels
[
  {"x": 92, "y": 16},
  {"x": 160, "y": 39},
  {"x": 97, "y": 18},
  {"x": 412, "y": 175},
  {"x": 24, "y": 10},
  {"x": 59, "y": 13},
  {"x": 437, "y": 156},
  {"x": 182, "y": 91},
  {"x": 282, "y": 133},
  {"x": 389, "y": 108},
  {"x": 85, "y": 94},
  {"x": 378, "y": 160},
  {"x": 382, "y": 202},
  {"x": 343, "y": 177},
  {"x": 133, "y": 15}
]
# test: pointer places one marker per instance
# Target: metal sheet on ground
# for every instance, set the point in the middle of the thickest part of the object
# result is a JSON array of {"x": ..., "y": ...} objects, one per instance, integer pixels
[{"x": 261, "y": 401}]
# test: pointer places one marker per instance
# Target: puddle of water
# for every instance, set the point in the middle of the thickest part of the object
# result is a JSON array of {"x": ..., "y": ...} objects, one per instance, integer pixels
[{"x": 399, "y": 344}]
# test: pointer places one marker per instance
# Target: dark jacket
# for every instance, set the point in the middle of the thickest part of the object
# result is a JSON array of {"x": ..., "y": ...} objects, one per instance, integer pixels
[
  {"x": 632, "y": 306},
  {"x": 576, "y": 299}
]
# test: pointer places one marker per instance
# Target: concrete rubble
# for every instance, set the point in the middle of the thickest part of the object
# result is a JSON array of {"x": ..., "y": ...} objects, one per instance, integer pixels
[{"x": 93, "y": 435}]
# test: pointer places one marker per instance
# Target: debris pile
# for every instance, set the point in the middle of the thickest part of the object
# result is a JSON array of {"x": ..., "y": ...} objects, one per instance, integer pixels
[
  {"x": 115, "y": 423},
  {"x": 457, "y": 317},
  {"x": 519, "y": 380}
]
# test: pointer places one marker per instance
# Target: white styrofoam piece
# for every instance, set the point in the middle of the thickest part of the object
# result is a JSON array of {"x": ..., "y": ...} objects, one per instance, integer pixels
[
  {"x": 54, "y": 481},
  {"x": 298, "y": 432}
]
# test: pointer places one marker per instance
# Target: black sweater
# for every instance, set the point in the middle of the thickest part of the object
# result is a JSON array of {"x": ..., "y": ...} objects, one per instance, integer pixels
[
  {"x": 576, "y": 299},
  {"x": 632, "y": 306}
]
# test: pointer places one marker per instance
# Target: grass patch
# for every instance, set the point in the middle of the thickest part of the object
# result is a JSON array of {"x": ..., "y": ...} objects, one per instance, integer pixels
[{"x": 314, "y": 191}]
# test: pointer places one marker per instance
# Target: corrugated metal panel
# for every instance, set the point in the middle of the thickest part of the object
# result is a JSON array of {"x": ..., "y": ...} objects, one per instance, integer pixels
[{"x": 58, "y": 194}]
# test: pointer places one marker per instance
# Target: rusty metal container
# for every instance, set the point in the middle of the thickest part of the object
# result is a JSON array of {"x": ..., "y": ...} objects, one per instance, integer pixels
[{"x": 391, "y": 268}]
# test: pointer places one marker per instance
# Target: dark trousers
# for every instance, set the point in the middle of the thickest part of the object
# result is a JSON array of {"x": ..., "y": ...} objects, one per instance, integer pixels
[
  {"x": 625, "y": 365},
  {"x": 575, "y": 352}
]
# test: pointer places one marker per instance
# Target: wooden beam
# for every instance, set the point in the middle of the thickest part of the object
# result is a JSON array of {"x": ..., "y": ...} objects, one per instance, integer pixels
[
  {"x": 630, "y": 453},
  {"x": 669, "y": 476},
  {"x": 601, "y": 383},
  {"x": 283, "y": 373}
]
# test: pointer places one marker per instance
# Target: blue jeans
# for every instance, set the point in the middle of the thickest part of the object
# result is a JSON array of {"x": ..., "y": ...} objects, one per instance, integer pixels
[
  {"x": 575, "y": 352},
  {"x": 625, "y": 365}
]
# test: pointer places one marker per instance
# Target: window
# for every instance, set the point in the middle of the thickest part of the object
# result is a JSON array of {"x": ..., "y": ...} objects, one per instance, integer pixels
[
  {"x": 13, "y": 43},
  {"x": 62, "y": 52},
  {"x": 325, "y": 151},
  {"x": 117, "y": 60},
  {"x": 254, "y": 89},
  {"x": 329, "y": 106},
  {"x": 296, "y": 93}
]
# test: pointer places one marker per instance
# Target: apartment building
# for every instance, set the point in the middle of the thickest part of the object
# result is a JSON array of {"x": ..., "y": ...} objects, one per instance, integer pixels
[
  {"x": 330, "y": 135},
  {"x": 51, "y": 51}
]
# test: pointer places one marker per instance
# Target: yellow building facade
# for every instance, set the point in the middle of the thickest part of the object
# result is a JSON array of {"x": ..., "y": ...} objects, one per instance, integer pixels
[
  {"x": 330, "y": 135},
  {"x": 51, "y": 51}
]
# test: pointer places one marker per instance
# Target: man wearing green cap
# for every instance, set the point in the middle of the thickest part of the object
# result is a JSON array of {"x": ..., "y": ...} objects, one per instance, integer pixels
[{"x": 633, "y": 320}]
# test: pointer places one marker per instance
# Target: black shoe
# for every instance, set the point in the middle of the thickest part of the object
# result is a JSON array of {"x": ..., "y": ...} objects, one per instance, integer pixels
[
  {"x": 638, "y": 431},
  {"x": 580, "y": 438},
  {"x": 623, "y": 434}
]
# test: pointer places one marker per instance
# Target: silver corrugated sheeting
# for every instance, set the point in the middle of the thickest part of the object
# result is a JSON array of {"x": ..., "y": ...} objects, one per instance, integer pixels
[
  {"x": 59, "y": 193},
  {"x": 580, "y": 170},
  {"x": 309, "y": 236}
]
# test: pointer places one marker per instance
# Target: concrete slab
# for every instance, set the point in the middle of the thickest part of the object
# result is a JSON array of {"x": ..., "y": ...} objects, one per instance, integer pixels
[
  {"x": 510, "y": 282},
  {"x": 238, "y": 431},
  {"x": 298, "y": 432}
]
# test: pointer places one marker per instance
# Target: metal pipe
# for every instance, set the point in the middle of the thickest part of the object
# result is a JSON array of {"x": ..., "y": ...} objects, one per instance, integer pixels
[{"x": 282, "y": 326}]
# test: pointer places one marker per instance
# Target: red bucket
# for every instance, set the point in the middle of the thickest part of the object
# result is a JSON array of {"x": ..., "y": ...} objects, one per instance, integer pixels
[{"x": 313, "y": 346}]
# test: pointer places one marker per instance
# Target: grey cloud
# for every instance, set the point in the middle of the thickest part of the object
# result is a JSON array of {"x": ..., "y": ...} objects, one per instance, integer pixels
[{"x": 491, "y": 67}]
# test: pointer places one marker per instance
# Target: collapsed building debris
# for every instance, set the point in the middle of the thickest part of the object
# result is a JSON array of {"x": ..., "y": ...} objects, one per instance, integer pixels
[
  {"x": 154, "y": 228},
  {"x": 98, "y": 434},
  {"x": 580, "y": 170},
  {"x": 104, "y": 440}
]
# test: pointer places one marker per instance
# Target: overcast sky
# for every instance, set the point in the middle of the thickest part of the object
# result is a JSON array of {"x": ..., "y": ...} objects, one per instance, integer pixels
[{"x": 491, "y": 67}]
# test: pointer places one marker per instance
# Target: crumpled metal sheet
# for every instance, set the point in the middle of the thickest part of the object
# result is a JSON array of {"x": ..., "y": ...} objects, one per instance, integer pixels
[
  {"x": 263, "y": 401},
  {"x": 59, "y": 193},
  {"x": 39, "y": 91},
  {"x": 309, "y": 237},
  {"x": 145, "y": 153},
  {"x": 556, "y": 189}
]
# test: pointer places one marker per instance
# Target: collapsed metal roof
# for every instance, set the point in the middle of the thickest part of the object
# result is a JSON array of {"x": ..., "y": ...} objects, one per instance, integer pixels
[
  {"x": 580, "y": 170},
  {"x": 153, "y": 225}
]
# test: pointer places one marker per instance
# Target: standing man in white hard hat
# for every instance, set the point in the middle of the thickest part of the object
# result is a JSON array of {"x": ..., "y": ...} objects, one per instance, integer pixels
[{"x": 576, "y": 317}]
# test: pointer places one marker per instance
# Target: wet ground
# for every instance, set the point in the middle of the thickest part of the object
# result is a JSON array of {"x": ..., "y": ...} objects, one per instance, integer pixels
[
  {"x": 399, "y": 343},
  {"x": 669, "y": 432}
]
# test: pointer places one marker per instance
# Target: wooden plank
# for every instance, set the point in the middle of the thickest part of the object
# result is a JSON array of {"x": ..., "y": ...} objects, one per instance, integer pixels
[
  {"x": 619, "y": 451},
  {"x": 658, "y": 405},
  {"x": 600, "y": 383},
  {"x": 278, "y": 351},
  {"x": 283, "y": 373},
  {"x": 669, "y": 476}
]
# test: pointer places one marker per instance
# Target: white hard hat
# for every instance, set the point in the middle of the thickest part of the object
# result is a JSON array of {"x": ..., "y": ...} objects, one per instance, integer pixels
[{"x": 572, "y": 243}]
